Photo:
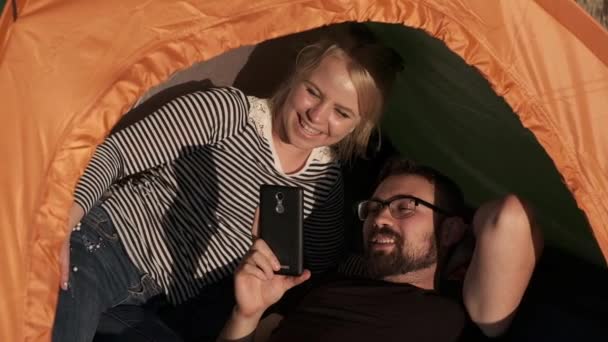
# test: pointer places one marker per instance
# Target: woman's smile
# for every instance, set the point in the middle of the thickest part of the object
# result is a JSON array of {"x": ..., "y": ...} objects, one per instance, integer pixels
[{"x": 307, "y": 129}]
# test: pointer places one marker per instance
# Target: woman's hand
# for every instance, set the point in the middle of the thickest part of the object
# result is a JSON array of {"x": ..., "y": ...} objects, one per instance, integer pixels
[
  {"x": 75, "y": 215},
  {"x": 256, "y": 285}
]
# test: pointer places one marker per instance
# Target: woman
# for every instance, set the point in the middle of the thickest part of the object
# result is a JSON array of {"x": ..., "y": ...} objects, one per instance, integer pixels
[{"x": 171, "y": 200}]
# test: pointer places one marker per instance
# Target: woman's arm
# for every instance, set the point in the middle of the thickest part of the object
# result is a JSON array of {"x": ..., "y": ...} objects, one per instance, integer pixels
[
  {"x": 175, "y": 129},
  {"x": 508, "y": 244}
]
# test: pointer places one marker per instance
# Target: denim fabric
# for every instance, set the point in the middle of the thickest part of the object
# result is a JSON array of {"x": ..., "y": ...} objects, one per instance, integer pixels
[{"x": 102, "y": 276}]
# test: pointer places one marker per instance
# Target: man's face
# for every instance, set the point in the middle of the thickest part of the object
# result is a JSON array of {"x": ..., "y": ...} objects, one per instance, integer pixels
[{"x": 398, "y": 246}]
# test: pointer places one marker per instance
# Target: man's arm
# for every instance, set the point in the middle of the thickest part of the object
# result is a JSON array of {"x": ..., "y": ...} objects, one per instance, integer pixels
[
  {"x": 251, "y": 328},
  {"x": 508, "y": 244},
  {"x": 256, "y": 288},
  {"x": 240, "y": 328}
]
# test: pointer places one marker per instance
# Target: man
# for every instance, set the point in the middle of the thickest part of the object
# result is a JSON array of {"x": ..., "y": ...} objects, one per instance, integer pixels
[{"x": 410, "y": 224}]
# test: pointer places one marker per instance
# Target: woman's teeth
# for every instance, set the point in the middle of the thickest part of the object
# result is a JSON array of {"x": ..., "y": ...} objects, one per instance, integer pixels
[{"x": 309, "y": 130}]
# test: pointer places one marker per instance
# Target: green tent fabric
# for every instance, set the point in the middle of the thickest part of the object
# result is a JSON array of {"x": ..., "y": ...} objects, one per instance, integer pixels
[{"x": 474, "y": 136}]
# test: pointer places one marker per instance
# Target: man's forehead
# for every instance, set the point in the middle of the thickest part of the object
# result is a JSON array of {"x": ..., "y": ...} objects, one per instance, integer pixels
[{"x": 412, "y": 185}]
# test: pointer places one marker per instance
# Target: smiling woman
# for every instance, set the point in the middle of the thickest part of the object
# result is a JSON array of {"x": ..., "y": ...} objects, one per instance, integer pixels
[
  {"x": 344, "y": 86},
  {"x": 317, "y": 112}
]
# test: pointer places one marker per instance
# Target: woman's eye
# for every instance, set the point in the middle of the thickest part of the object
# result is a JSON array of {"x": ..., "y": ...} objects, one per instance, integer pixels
[
  {"x": 342, "y": 113},
  {"x": 312, "y": 92}
]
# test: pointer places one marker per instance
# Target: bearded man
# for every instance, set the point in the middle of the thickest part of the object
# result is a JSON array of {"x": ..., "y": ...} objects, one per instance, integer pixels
[{"x": 411, "y": 223}]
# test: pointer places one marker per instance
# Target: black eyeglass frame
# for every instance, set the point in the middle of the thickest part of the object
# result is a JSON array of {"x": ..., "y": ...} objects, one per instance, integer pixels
[{"x": 387, "y": 203}]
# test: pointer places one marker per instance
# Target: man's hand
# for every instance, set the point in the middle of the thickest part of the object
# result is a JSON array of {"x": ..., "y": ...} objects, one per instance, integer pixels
[
  {"x": 256, "y": 288},
  {"x": 75, "y": 215}
]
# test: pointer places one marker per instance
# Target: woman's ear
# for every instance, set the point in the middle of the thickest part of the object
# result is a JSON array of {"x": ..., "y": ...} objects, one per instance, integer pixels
[{"x": 452, "y": 231}]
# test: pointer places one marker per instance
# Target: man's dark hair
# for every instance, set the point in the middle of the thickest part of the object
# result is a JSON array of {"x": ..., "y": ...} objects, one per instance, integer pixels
[{"x": 448, "y": 195}]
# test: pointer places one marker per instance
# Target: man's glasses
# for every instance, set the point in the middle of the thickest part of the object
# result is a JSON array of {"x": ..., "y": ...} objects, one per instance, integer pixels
[{"x": 399, "y": 206}]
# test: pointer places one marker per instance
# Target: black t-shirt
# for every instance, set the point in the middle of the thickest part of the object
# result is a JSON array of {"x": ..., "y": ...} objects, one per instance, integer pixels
[{"x": 354, "y": 309}]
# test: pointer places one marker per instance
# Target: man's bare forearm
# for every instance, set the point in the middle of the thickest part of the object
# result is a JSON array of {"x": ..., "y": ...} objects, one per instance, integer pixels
[
  {"x": 508, "y": 243},
  {"x": 239, "y": 328}
]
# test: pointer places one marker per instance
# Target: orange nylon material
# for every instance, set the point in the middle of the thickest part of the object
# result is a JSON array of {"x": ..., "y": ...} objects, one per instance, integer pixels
[{"x": 70, "y": 69}]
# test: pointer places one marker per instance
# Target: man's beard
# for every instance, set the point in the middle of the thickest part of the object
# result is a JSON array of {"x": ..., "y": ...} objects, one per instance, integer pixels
[{"x": 381, "y": 264}]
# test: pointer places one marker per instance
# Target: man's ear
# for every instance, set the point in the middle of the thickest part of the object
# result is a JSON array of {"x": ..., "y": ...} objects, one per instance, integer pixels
[{"x": 452, "y": 230}]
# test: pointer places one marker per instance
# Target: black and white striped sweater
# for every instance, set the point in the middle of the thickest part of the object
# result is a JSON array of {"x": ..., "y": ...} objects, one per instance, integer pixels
[{"x": 184, "y": 186}]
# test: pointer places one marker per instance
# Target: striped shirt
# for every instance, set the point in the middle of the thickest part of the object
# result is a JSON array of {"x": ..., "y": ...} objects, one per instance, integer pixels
[{"x": 182, "y": 187}]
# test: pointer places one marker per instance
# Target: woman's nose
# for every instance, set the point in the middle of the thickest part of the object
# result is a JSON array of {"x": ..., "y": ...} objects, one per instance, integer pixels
[{"x": 318, "y": 113}]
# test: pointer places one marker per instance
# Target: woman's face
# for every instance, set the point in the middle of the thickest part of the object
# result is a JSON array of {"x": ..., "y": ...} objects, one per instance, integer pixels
[{"x": 322, "y": 109}]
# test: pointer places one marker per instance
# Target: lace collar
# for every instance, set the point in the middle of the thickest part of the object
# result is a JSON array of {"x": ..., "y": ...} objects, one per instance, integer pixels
[{"x": 261, "y": 116}]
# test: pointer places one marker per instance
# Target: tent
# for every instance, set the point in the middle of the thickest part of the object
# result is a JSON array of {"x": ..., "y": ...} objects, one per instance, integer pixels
[{"x": 70, "y": 69}]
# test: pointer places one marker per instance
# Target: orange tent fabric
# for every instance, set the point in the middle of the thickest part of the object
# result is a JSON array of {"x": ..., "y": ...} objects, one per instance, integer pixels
[{"x": 70, "y": 69}]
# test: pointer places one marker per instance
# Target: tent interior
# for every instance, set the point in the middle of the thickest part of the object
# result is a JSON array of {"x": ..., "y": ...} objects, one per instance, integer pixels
[{"x": 443, "y": 113}]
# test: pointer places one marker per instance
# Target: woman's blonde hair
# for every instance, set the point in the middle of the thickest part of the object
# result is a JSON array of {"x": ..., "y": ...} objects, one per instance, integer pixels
[{"x": 372, "y": 68}]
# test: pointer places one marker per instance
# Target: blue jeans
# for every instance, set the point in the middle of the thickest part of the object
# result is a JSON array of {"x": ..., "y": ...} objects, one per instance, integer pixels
[{"x": 102, "y": 276}]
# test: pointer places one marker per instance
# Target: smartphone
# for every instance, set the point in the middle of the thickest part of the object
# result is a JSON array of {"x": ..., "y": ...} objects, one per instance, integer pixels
[{"x": 281, "y": 223}]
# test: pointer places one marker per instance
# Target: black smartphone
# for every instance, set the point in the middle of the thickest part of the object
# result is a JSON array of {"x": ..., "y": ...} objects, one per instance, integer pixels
[{"x": 281, "y": 221}]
